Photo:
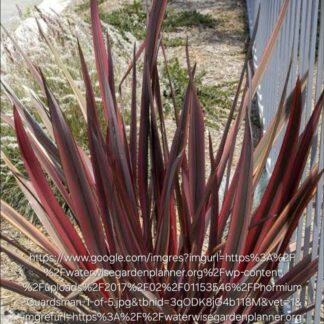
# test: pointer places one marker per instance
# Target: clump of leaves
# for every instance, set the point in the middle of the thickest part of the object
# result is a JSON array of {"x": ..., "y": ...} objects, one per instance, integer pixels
[
  {"x": 187, "y": 18},
  {"x": 139, "y": 192},
  {"x": 174, "y": 42},
  {"x": 179, "y": 78},
  {"x": 131, "y": 17},
  {"x": 216, "y": 99}
]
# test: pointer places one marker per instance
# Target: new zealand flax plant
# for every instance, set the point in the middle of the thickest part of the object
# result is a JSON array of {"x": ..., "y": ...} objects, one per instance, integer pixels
[{"x": 138, "y": 192}]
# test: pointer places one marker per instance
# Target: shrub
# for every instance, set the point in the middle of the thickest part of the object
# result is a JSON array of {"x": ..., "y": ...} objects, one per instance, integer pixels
[
  {"x": 140, "y": 193},
  {"x": 215, "y": 99},
  {"x": 187, "y": 18}
]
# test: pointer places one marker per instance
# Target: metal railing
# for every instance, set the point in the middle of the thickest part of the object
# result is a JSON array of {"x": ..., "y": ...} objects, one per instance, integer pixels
[{"x": 302, "y": 41}]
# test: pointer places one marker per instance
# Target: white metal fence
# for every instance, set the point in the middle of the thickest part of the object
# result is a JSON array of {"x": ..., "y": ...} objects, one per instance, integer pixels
[{"x": 302, "y": 39}]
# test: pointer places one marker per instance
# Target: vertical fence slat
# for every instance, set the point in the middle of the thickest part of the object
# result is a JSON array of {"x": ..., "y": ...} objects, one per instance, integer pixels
[
  {"x": 309, "y": 210},
  {"x": 318, "y": 232}
]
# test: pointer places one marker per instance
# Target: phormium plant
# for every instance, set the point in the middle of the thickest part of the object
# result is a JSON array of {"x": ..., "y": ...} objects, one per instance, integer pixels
[{"x": 140, "y": 196}]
